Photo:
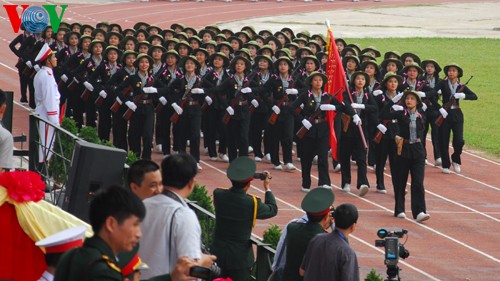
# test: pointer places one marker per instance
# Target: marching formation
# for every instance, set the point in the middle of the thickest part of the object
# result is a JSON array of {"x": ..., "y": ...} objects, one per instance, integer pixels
[{"x": 255, "y": 91}]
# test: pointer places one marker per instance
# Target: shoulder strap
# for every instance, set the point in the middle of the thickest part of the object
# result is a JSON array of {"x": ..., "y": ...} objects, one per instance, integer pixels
[
  {"x": 170, "y": 235},
  {"x": 254, "y": 210}
]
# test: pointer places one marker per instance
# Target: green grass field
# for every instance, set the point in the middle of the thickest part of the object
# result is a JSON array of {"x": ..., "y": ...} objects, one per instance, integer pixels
[{"x": 477, "y": 57}]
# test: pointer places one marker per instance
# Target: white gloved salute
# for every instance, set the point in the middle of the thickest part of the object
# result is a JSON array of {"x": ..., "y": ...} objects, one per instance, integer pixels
[
  {"x": 64, "y": 78},
  {"x": 246, "y": 90},
  {"x": 230, "y": 110},
  {"x": 443, "y": 112},
  {"x": 306, "y": 124},
  {"x": 163, "y": 100},
  {"x": 382, "y": 128},
  {"x": 459, "y": 95},
  {"x": 255, "y": 103},
  {"x": 131, "y": 105},
  {"x": 208, "y": 100},
  {"x": 103, "y": 94},
  {"x": 421, "y": 94},
  {"x": 36, "y": 67},
  {"x": 327, "y": 107},
  {"x": 356, "y": 120},
  {"x": 177, "y": 108},
  {"x": 150, "y": 90},
  {"x": 276, "y": 109},
  {"x": 397, "y": 97},
  {"x": 397, "y": 107},
  {"x": 357, "y": 105},
  {"x": 197, "y": 91},
  {"x": 88, "y": 86},
  {"x": 291, "y": 91},
  {"x": 377, "y": 93}
]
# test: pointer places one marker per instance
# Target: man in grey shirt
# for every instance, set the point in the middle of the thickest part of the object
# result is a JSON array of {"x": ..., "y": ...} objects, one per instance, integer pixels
[
  {"x": 6, "y": 140},
  {"x": 329, "y": 256}
]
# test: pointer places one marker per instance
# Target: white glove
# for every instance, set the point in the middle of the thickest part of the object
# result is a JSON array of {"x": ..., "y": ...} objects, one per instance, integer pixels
[
  {"x": 76, "y": 80},
  {"x": 64, "y": 78},
  {"x": 163, "y": 100},
  {"x": 459, "y": 95},
  {"x": 119, "y": 100},
  {"x": 302, "y": 106},
  {"x": 36, "y": 67},
  {"x": 131, "y": 105},
  {"x": 88, "y": 86},
  {"x": 230, "y": 110},
  {"x": 377, "y": 93},
  {"x": 439, "y": 92},
  {"x": 382, "y": 128},
  {"x": 103, "y": 94},
  {"x": 29, "y": 64},
  {"x": 208, "y": 100},
  {"x": 246, "y": 90},
  {"x": 291, "y": 91},
  {"x": 326, "y": 107},
  {"x": 306, "y": 124},
  {"x": 397, "y": 97},
  {"x": 356, "y": 120},
  {"x": 443, "y": 112},
  {"x": 276, "y": 109},
  {"x": 397, "y": 107},
  {"x": 197, "y": 91},
  {"x": 255, "y": 103},
  {"x": 421, "y": 94},
  {"x": 424, "y": 106},
  {"x": 150, "y": 90},
  {"x": 177, "y": 108},
  {"x": 357, "y": 105}
]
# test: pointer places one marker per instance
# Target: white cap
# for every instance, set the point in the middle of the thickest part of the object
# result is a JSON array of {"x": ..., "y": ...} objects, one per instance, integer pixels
[
  {"x": 44, "y": 53},
  {"x": 64, "y": 240}
]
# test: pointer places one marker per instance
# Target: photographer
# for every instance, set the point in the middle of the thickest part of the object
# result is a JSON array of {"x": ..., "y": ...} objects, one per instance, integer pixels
[{"x": 236, "y": 214}]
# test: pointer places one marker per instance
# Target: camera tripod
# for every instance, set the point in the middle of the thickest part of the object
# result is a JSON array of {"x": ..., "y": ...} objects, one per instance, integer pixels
[{"x": 393, "y": 273}]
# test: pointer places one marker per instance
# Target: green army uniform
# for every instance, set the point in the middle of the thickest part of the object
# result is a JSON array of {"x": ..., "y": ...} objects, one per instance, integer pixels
[
  {"x": 236, "y": 212},
  {"x": 316, "y": 203}
]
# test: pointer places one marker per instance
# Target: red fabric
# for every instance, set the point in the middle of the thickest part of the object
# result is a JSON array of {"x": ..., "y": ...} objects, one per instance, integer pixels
[
  {"x": 64, "y": 247},
  {"x": 20, "y": 260},
  {"x": 131, "y": 266},
  {"x": 23, "y": 186},
  {"x": 336, "y": 85}
]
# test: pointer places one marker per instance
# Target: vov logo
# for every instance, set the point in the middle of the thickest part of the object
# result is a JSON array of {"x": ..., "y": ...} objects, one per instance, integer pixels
[{"x": 35, "y": 18}]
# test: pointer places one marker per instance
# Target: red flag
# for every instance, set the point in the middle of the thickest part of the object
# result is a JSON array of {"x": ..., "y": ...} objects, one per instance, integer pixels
[{"x": 336, "y": 84}]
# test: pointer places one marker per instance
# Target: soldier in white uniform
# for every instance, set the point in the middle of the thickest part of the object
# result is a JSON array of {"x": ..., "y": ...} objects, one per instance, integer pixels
[{"x": 47, "y": 100}]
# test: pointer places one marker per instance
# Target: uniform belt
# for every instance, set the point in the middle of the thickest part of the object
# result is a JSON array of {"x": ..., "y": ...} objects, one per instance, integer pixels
[
  {"x": 455, "y": 106},
  {"x": 406, "y": 141},
  {"x": 244, "y": 102},
  {"x": 142, "y": 102},
  {"x": 286, "y": 103},
  {"x": 394, "y": 121},
  {"x": 193, "y": 102},
  {"x": 319, "y": 120}
]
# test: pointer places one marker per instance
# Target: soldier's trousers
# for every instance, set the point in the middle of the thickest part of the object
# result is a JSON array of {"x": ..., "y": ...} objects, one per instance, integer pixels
[{"x": 141, "y": 128}]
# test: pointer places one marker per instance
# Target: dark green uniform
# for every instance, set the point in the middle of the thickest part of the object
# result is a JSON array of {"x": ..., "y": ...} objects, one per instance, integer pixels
[{"x": 234, "y": 210}]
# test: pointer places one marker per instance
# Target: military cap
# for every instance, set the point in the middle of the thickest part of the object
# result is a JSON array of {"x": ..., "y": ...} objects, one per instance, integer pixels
[
  {"x": 141, "y": 56},
  {"x": 357, "y": 73},
  {"x": 203, "y": 50},
  {"x": 66, "y": 30},
  {"x": 258, "y": 38},
  {"x": 111, "y": 33},
  {"x": 320, "y": 54},
  {"x": 304, "y": 34},
  {"x": 251, "y": 43},
  {"x": 250, "y": 30},
  {"x": 282, "y": 52},
  {"x": 460, "y": 70},
  {"x": 130, "y": 262},
  {"x": 372, "y": 50},
  {"x": 245, "y": 34},
  {"x": 288, "y": 30},
  {"x": 241, "y": 169},
  {"x": 111, "y": 47},
  {"x": 83, "y": 37},
  {"x": 214, "y": 28},
  {"x": 300, "y": 39},
  {"x": 141, "y": 25},
  {"x": 355, "y": 47},
  {"x": 151, "y": 37},
  {"x": 292, "y": 45},
  {"x": 175, "y": 26},
  {"x": 265, "y": 47},
  {"x": 285, "y": 59},
  {"x": 268, "y": 59},
  {"x": 265, "y": 32},
  {"x": 310, "y": 57},
  {"x": 220, "y": 36},
  {"x": 205, "y": 31},
  {"x": 98, "y": 30},
  {"x": 71, "y": 26},
  {"x": 225, "y": 43},
  {"x": 390, "y": 75},
  {"x": 95, "y": 41},
  {"x": 231, "y": 38},
  {"x": 150, "y": 51},
  {"x": 434, "y": 62},
  {"x": 412, "y": 92},
  {"x": 287, "y": 40},
  {"x": 126, "y": 39},
  {"x": 68, "y": 35},
  {"x": 43, "y": 54},
  {"x": 318, "y": 202},
  {"x": 188, "y": 28},
  {"x": 248, "y": 65},
  {"x": 304, "y": 49},
  {"x": 183, "y": 43},
  {"x": 341, "y": 41},
  {"x": 167, "y": 30},
  {"x": 143, "y": 31},
  {"x": 170, "y": 41},
  {"x": 149, "y": 28},
  {"x": 86, "y": 26},
  {"x": 387, "y": 61},
  {"x": 143, "y": 43},
  {"x": 126, "y": 53},
  {"x": 221, "y": 55},
  {"x": 275, "y": 40},
  {"x": 390, "y": 54},
  {"x": 319, "y": 37},
  {"x": 63, "y": 241},
  {"x": 211, "y": 42},
  {"x": 345, "y": 59},
  {"x": 316, "y": 73},
  {"x": 190, "y": 57},
  {"x": 372, "y": 62},
  {"x": 196, "y": 38},
  {"x": 227, "y": 32},
  {"x": 182, "y": 36},
  {"x": 128, "y": 32},
  {"x": 366, "y": 55},
  {"x": 244, "y": 52},
  {"x": 405, "y": 55},
  {"x": 115, "y": 25},
  {"x": 102, "y": 24},
  {"x": 415, "y": 65}
]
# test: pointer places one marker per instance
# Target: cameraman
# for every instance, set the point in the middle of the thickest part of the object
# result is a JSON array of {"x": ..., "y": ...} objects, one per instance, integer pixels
[{"x": 236, "y": 214}]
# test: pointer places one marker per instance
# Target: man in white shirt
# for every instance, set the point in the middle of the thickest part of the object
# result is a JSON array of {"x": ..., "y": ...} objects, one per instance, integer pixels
[{"x": 171, "y": 229}]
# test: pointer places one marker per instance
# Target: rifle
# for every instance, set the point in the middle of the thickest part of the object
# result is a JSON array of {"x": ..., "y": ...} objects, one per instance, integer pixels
[
  {"x": 85, "y": 95},
  {"x": 116, "y": 105},
  {"x": 274, "y": 117},
  {"x": 205, "y": 105},
  {"x": 185, "y": 99},
  {"x": 128, "y": 114},
  {"x": 359, "y": 125},
  {"x": 236, "y": 100},
  {"x": 447, "y": 106},
  {"x": 303, "y": 130}
]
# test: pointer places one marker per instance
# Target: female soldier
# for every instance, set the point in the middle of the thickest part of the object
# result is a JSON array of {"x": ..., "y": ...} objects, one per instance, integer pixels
[
  {"x": 410, "y": 151},
  {"x": 452, "y": 91},
  {"x": 316, "y": 139}
]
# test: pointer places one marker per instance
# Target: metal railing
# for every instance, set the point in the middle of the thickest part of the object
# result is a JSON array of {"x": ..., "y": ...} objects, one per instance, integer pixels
[{"x": 264, "y": 253}]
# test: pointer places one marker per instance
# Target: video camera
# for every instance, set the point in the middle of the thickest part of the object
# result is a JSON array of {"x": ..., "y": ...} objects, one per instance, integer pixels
[
  {"x": 205, "y": 273},
  {"x": 393, "y": 250}
]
